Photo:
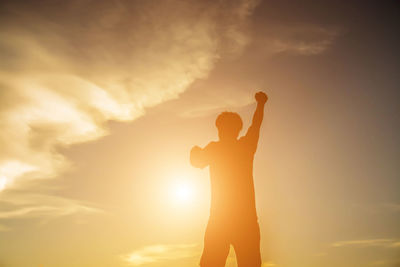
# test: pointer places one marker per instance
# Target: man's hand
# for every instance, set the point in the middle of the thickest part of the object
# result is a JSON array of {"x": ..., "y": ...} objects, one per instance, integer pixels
[
  {"x": 253, "y": 132},
  {"x": 261, "y": 97}
]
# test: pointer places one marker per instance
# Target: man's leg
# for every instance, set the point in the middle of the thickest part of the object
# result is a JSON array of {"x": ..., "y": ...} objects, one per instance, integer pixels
[
  {"x": 247, "y": 245},
  {"x": 216, "y": 246}
]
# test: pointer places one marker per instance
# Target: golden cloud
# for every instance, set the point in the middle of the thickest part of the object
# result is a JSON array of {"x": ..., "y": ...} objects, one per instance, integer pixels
[
  {"x": 307, "y": 39},
  {"x": 68, "y": 69},
  {"x": 160, "y": 253}
]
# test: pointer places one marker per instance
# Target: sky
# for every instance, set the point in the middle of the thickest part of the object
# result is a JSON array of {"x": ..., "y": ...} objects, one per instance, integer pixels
[{"x": 101, "y": 102}]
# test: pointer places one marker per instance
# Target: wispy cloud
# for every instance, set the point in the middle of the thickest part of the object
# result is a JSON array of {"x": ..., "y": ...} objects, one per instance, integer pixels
[
  {"x": 268, "y": 264},
  {"x": 271, "y": 40},
  {"x": 218, "y": 105},
  {"x": 44, "y": 207},
  {"x": 63, "y": 76},
  {"x": 160, "y": 253},
  {"x": 388, "y": 243},
  {"x": 298, "y": 39}
]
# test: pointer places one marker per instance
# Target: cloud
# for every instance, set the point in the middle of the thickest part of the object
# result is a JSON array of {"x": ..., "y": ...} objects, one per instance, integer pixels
[
  {"x": 386, "y": 243},
  {"x": 68, "y": 69},
  {"x": 219, "y": 104},
  {"x": 160, "y": 253},
  {"x": 269, "y": 264},
  {"x": 40, "y": 206},
  {"x": 297, "y": 39},
  {"x": 226, "y": 91}
]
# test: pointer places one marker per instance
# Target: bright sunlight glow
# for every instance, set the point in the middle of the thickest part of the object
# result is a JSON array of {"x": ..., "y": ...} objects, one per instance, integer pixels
[
  {"x": 183, "y": 192},
  {"x": 182, "y": 189}
]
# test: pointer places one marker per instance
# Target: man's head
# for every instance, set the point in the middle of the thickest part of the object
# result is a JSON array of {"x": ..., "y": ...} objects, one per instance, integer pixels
[{"x": 229, "y": 125}]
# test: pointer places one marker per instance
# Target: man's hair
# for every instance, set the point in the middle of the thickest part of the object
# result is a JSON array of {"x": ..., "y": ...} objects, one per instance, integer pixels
[{"x": 229, "y": 120}]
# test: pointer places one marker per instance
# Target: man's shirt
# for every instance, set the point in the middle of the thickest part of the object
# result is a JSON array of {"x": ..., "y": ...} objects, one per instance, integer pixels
[{"x": 231, "y": 174}]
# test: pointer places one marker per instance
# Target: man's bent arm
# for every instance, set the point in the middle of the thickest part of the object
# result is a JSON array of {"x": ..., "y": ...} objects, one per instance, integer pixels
[{"x": 198, "y": 157}]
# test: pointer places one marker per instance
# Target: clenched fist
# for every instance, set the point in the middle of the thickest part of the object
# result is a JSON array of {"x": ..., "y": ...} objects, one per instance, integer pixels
[{"x": 261, "y": 97}]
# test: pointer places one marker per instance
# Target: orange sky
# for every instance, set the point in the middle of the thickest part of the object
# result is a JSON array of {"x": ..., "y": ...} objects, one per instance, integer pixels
[{"x": 102, "y": 101}]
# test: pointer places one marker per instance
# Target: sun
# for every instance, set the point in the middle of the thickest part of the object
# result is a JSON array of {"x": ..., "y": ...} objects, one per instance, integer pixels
[
  {"x": 183, "y": 192},
  {"x": 182, "y": 189}
]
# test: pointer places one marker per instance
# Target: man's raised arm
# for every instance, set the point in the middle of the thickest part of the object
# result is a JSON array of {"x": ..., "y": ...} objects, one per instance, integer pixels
[{"x": 254, "y": 130}]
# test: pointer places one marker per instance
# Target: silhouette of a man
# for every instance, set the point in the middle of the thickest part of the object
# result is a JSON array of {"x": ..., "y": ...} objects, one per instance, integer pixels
[{"x": 233, "y": 216}]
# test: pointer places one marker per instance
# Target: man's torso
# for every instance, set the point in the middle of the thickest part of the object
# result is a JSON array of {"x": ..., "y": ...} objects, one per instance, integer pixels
[{"x": 232, "y": 186}]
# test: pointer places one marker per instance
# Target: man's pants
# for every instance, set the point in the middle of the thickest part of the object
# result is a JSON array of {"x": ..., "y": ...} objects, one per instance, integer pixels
[{"x": 244, "y": 237}]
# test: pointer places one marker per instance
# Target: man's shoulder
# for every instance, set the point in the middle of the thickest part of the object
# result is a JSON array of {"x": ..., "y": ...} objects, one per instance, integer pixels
[
  {"x": 212, "y": 144},
  {"x": 248, "y": 143}
]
